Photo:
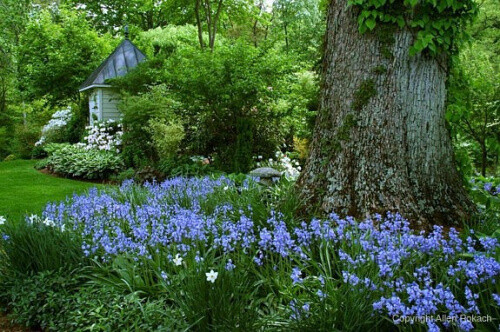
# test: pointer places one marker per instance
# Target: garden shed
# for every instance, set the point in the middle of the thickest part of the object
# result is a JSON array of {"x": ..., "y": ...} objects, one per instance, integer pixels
[{"x": 103, "y": 100}]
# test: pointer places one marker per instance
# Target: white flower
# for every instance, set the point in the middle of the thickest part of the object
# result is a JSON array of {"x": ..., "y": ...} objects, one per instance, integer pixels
[
  {"x": 63, "y": 227},
  {"x": 2, "y": 220},
  {"x": 226, "y": 188},
  {"x": 212, "y": 276},
  {"x": 177, "y": 260},
  {"x": 49, "y": 222},
  {"x": 32, "y": 218}
]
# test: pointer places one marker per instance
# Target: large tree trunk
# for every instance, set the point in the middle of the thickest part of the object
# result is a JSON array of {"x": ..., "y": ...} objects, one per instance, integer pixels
[{"x": 381, "y": 142}]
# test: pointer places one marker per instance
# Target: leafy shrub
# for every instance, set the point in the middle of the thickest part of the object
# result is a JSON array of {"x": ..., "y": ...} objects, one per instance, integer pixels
[
  {"x": 227, "y": 94},
  {"x": 138, "y": 150},
  {"x": 486, "y": 194},
  {"x": 225, "y": 99},
  {"x": 38, "y": 152},
  {"x": 301, "y": 146},
  {"x": 5, "y": 137},
  {"x": 185, "y": 166},
  {"x": 62, "y": 301},
  {"x": 32, "y": 300},
  {"x": 148, "y": 174},
  {"x": 78, "y": 161},
  {"x": 242, "y": 158},
  {"x": 41, "y": 164},
  {"x": 24, "y": 140},
  {"x": 127, "y": 174},
  {"x": 55, "y": 130},
  {"x": 10, "y": 157},
  {"x": 166, "y": 136}
]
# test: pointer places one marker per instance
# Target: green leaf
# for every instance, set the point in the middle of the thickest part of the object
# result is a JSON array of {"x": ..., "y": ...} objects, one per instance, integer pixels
[{"x": 371, "y": 23}]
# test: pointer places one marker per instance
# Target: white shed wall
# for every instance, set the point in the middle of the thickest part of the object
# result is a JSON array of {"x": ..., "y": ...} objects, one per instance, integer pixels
[
  {"x": 103, "y": 105},
  {"x": 110, "y": 100}
]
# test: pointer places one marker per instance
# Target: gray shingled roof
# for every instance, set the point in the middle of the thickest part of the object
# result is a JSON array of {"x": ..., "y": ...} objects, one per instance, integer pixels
[{"x": 126, "y": 57}]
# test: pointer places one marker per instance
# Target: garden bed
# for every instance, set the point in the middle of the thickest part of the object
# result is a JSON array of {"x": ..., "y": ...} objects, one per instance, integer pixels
[{"x": 215, "y": 254}]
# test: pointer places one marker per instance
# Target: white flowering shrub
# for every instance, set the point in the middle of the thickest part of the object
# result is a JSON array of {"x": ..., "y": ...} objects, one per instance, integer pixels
[
  {"x": 282, "y": 162},
  {"x": 103, "y": 136},
  {"x": 56, "y": 124}
]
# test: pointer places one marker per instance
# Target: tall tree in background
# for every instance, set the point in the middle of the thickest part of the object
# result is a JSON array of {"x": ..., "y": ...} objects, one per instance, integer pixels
[
  {"x": 111, "y": 15},
  {"x": 301, "y": 24},
  {"x": 474, "y": 92},
  {"x": 381, "y": 142},
  {"x": 208, "y": 13},
  {"x": 57, "y": 51}
]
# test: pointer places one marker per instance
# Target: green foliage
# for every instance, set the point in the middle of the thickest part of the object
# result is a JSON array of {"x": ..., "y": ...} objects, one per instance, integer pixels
[
  {"x": 10, "y": 157},
  {"x": 218, "y": 89},
  {"x": 474, "y": 93},
  {"x": 62, "y": 301},
  {"x": 141, "y": 15},
  {"x": 165, "y": 41},
  {"x": 32, "y": 298},
  {"x": 437, "y": 25},
  {"x": 127, "y": 174},
  {"x": 299, "y": 27},
  {"x": 77, "y": 161},
  {"x": 35, "y": 247},
  {"x": 166, "y": 136},
  {"x": 221, "y": 306},
  {"x": 138, "y": 111},
  {"x": 24, "y": 140},
  {"x": 147, "y": 174},
  {"x": 50, "y": 64},
  {"x": 41, "y": 164},
  {"x": 488, "y": 200},
  {"x": 297, "y": 106},
  {"x": 4, "y": 142},
  {"x": 242, "y": 159},
  {"x": 185, "y": 166},
  {"x": 213, "y": 92}
]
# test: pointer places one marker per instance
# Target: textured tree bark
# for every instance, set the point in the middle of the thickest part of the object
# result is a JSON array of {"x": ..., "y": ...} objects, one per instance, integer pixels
[{"x": 380, "y": 142}]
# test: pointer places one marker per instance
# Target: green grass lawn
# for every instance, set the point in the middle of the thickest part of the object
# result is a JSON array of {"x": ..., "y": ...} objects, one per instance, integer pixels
[{"x": 24, "y": 190}]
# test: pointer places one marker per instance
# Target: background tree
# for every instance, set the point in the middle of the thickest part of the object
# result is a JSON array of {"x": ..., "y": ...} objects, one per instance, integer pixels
[
  {"x": 380, "y": 141},
  {"x": 300, "y": 24},
  {"x": 474, "y": 92},
  {"x": 111, "y": 15},
  {"x": 50, "y": 63},
  {"x": 474, "y": 108}
]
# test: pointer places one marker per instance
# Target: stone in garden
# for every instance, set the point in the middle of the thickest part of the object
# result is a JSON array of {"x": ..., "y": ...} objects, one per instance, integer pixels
[{"x": 265, "y": 174}]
